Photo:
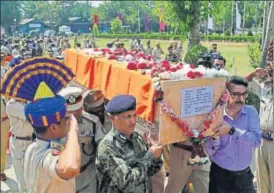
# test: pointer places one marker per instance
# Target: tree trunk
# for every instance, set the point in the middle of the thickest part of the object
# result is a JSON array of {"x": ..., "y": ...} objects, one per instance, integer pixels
[
  {"x": 264, "y": 23},
  {"x": 269, "y": 31},
  {"x": 194, "y": 32}
]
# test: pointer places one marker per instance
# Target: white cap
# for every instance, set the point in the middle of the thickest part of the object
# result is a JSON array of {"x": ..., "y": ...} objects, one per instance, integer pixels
[{"x": 73, "y": 97}]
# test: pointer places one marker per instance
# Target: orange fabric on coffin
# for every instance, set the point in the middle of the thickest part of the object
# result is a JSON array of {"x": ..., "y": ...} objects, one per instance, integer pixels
[
  {"x": 71, "y": 59},
  {"x": 113, "y": 78},
  {"x": 84, "y": 69}
]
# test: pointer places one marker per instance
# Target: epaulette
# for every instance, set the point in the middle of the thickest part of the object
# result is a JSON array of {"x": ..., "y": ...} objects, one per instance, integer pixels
[{"x": 90, "y": 117}]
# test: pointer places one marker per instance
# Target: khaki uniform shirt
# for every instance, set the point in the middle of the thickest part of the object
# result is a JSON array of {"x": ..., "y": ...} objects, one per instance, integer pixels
[
  {"x": 87, "y": 178},
  {"x": 18, "y": 123},
  {"x": 125, "y": 165},
  {"x": 40, "y": 173},
  {"x": 266, "y": 111},
  {"x": 149, "y": 51}
]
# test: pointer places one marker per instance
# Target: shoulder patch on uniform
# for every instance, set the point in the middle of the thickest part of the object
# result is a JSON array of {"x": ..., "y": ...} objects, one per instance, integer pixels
[{"x": 90, "y": 117}]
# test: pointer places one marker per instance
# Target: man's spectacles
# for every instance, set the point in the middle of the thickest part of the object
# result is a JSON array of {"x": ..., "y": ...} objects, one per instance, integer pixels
[{"x": 238, "y": 94}]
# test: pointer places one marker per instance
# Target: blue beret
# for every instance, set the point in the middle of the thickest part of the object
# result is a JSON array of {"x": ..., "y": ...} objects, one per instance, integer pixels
[
  {"x": 46, "y": 111},
  {"x": 120, "y": 104}
]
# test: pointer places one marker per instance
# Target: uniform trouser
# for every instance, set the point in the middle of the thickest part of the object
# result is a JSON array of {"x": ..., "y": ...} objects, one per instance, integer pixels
[
  {"x": 179, "y": 172},
  {"x": 157, "y": 181},
  {"x": 86, "y": 181},
  {"x": 17, "y": 150},
  {"x": 225, "y": 181},
  {"x": 265, "y": 167},
  {"x": 4, "y": 144}
]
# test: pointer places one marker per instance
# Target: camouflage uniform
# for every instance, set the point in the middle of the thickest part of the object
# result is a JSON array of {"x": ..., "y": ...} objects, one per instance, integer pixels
[{"x": 123, "y": 165}]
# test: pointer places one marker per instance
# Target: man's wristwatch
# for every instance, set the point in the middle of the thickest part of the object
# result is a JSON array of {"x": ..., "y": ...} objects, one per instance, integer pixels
[{"x": 232, "y": 131}]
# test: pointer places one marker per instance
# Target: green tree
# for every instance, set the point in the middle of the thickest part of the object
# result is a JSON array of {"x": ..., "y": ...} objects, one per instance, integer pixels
[
  {"x": 44, "y": 10},
  {"x": 10, "y": 11},
  {"x": 58, "y": 11},
  {"x": 190, "y": 13},
  {"x": 108, "y": 10},
  {"x": 116, "y": 26}
]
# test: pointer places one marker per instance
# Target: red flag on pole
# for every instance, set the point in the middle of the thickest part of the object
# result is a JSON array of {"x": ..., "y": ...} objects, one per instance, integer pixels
[
  {"x": 161, "y": 18},
  {"x": 95, "y": 19}
]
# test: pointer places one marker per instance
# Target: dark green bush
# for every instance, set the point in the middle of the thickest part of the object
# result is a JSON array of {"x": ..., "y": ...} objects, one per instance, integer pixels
[
  {"x": 253, "y": 99},
  {"x": 193, "y": 54},
  {"x": 249, "y": 33},
  {"x": 166, "y": 36},
  {"x": 254, "y": 53}
]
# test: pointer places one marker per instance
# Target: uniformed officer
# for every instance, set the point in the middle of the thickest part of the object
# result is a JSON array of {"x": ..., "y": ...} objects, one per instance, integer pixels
[
  {"x": 94, "y": 104},
  {"x": 124, "y": 162},
  {"x": 49, "y": 166},
  {"x": 90, "y": 133},
  {"x": 265, "y": 154},
  {"x": 21, "y": 138},
  {"x": 180, "y": 171},
  {"x": 171, "y": 56},
  {"x": 4, "y": 138}
]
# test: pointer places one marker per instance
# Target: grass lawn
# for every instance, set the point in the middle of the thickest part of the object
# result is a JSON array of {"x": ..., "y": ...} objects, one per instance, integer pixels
[{"x": 235, "y": 53}]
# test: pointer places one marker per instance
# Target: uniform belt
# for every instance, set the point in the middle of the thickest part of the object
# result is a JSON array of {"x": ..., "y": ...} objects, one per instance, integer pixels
[
  {"x": 183, "y": 146},
  {"x": 4, "y": 118},
  {"x": 268, "y": 135},
  {"x": 27, "y": 138}
]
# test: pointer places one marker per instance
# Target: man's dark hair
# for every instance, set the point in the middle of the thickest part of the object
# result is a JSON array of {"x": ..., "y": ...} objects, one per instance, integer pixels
[
  {"x": 205, "y": 60},
  {"x": 214, "y": 44},
  {"x": 236, "y": 80},
  {"x": 221, "y": 58},
  {"x": 42, "y": 130}
]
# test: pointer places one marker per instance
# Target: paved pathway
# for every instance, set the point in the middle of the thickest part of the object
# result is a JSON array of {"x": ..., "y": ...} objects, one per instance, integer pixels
[{"x": 9, "y": 186}]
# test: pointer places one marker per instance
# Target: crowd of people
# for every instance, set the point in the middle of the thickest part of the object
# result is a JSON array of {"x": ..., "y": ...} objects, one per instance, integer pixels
[{"x": 90, "y": 144}]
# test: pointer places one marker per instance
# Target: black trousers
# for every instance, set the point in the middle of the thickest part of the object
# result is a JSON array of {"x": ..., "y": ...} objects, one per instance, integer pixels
[{"x": 225, "y": 181}]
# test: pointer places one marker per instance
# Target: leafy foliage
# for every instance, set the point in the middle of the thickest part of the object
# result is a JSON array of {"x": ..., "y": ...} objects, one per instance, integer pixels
[
  {"x": 10, "y": 11},
  {"x": 253, "y": 99},
  {"x": 116, "y": 26},
  {"x": 193, "y": 54},
  {"x": 254, "y": 53}
]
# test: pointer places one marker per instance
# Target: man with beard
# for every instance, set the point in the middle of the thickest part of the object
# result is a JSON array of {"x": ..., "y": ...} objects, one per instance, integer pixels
[
  {"x": 90, "y": 133},
  {"x": 232, "y": 147},
  {"x": 265, "y": 154}
]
